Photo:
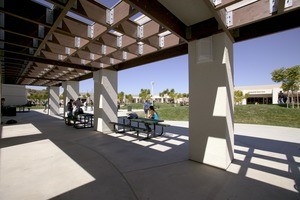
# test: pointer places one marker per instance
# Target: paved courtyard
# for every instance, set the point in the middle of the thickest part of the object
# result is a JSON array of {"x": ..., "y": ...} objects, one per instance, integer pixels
[{"x": 42, "y": 158}]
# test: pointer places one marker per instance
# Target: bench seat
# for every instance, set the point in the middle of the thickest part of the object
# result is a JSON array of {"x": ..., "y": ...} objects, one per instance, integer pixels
[
  {"x": 130, "y": 127},
  {"x": 162, "y": 127}
]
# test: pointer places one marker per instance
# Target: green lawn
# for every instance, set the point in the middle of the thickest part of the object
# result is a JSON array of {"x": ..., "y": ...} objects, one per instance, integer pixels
[{"x": 274, "y": 115}]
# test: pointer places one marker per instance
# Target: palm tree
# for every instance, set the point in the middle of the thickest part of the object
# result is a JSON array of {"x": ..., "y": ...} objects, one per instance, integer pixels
[
  {"x": 121, "y": 97},
  {"x": 145, "y": 94},
  {"x": 129, "y": 98}
]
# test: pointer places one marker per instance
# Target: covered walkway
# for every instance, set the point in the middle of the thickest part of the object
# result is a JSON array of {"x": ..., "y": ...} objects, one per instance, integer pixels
[{"x": 42, "y": 158}]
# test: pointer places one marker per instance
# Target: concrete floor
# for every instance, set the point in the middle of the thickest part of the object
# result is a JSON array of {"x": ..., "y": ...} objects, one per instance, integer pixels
[{"x": 42, "y": 158}]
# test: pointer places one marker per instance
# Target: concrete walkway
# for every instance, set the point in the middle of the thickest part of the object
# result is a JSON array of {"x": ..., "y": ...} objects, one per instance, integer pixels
[{"x": 42, "y": 158}]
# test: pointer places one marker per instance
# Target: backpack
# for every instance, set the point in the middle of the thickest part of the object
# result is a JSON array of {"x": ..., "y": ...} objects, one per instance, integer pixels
[
  {"x": 132, "y": 116},
  {"x": 11, "y": 121},
  {"x": 80, "y": 111}
]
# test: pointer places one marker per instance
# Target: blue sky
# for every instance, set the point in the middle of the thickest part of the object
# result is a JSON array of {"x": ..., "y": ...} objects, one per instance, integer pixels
[{"x": 254, "y": 60}]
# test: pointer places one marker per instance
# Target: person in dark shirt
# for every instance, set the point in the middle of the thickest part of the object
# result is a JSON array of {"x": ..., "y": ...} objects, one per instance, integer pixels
[{"x": 70, "y": 110}]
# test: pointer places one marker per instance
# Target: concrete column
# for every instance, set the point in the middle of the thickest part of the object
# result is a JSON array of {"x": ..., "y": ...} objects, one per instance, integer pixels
[
  {"x": 71, "y": 91},
  {"x": 211, "y": 101},
  {"x": 54, "y": 100},
  {"x": 105, "y": 95},
  {"x": 275, "y": 93},
  {"x": 0, "y": 99}
]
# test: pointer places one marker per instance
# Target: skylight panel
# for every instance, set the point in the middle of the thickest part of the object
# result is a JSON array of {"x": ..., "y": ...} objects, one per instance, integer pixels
[
  {"x": 80, "y": 18},
  {"x": 115, "y": 33},
  {"x": 142, "y": 20},
  {"x": 239, "y": 5},
  {"x": 134, "y": 17},
  {"x": 44, "y": 3},
  {"x": 164, "y": 33},
  {"x": 108, "y": 3}
]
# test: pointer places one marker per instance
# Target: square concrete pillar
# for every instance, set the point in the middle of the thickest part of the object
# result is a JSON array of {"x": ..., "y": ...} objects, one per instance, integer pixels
[
  {"x": 211, "y": 101},
  {"x": 105, "y": 99},
  {"x": 0, "y": 97},
  {"x": 71, "y": 91},
  {"x": 54, "y": 100}
]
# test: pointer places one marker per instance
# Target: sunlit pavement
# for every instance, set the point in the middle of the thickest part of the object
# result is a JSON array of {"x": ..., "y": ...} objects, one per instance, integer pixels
[{"x": 42, "y": 158}]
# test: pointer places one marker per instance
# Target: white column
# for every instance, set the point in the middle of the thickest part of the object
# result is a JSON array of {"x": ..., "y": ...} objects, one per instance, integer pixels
[
  {"x": 54, "y": 100},
  {"x": 211, "y": 101},
  {"x": 71, "y": 91},
  {"x": 275, "y": 93},
  {"x": 0, "y": 97},
  {"x": 105, "y": 96}
]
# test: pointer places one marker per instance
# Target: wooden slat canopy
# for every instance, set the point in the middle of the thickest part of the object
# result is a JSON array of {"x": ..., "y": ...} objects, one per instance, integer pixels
[{"x": 46, "y": 42}]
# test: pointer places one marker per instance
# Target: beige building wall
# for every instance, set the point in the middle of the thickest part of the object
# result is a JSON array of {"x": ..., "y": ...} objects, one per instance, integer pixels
[
  {"x": 261, "y": 91},
  {"x": 14, "y": 94}
]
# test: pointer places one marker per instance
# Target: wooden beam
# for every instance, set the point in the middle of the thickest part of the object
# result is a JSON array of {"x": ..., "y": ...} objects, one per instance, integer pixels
[
  {"x": 121, "y": 11},
  {"x": 47, "y": 61},
  {"x": 273, "y": 25},
  {"x": 37, "y": 78},
  {"x": 91, "y": 10},
  {"x": 161, "y": 15},
  {"x": 256, "y": 12},
  {"x": 226, "y": 3},
  {"x": 219, "y": 17},
  {"x": 156, "y": 56},
  {"x": 204, "y": 29},
  {"x": 53, "y": 28}
]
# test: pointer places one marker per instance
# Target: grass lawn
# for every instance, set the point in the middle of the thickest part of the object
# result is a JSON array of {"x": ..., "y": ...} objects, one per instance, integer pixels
[{"x": 274, "y": 115}]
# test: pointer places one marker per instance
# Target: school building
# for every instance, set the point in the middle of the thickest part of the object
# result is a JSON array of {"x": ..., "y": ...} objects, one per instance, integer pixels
[{"x": 263, "y": 94}]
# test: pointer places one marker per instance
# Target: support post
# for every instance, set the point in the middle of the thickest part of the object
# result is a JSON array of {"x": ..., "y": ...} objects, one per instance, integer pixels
[
  {"x": 211, "y": 101},
  {"x": 71, "y": 91},
  {"x": 54, "y": 100},
  {"x": 105, "y": 99}
]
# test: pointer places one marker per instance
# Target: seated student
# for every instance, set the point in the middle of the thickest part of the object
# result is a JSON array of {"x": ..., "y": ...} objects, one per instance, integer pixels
[{"x": 152, "y": 114}]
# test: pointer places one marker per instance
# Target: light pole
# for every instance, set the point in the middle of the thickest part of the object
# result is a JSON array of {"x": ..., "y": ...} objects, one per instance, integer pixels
[{"x": 152, "y": 90}]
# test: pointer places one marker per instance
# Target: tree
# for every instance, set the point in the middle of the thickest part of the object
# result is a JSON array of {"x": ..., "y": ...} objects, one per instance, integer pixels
[
  {"x": 121, "y": 97},
  {"x": 129, "y": 98},
  {"x": 290, "y": 79},
  {"x": 145, "y": 94},
  {"x": 239, "y": 96},
  {"x": 172, "y": 95}
]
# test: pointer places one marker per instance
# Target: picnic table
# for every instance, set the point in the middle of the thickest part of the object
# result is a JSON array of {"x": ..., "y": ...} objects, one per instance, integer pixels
[
  {"x": 127, "y": 124},
  {"x": 85, "y": 120},
  {"x": 154, "y": 122}
]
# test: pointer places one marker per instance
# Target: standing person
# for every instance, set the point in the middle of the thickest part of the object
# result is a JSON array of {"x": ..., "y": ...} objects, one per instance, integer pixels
[
  {"x": 70, "y": 110},
  {"x": 2, "y": 105},
  {"x": 146, "y": 107},
  {"x": 85, "y": 105},
  {"x": 45, "y": 105},
  {"x": 280, "y": 98},
  {"x": 77, "y": 105},
  {"x": 2, "y": 108},
  {"x": 92, "y": 105}
]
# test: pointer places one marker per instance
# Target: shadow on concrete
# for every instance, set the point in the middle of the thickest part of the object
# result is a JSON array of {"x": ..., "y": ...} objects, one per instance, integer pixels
[{"x": 125, "y": 168}]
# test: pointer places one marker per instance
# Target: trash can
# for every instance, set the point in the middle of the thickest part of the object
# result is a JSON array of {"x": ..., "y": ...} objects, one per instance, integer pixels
[{"x": 129, "y": 108}]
